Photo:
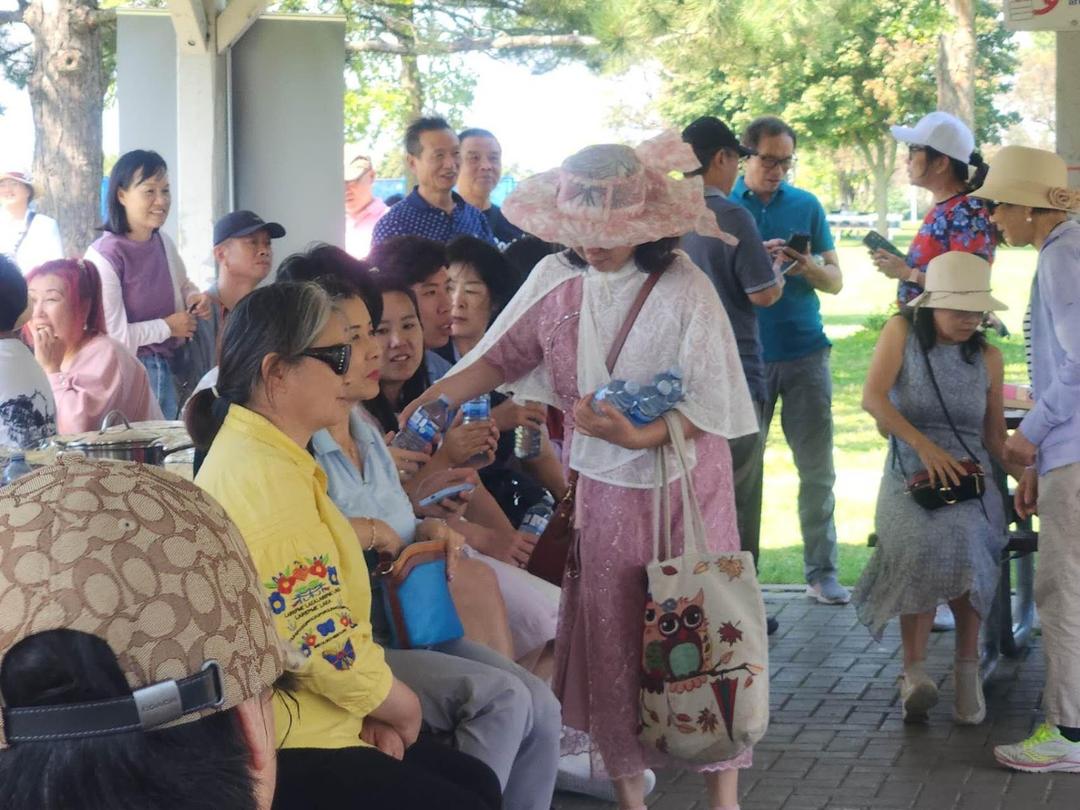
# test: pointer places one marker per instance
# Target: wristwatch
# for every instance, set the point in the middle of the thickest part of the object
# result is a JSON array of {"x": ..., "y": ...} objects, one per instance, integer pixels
[{"x": 913, "y": 277}]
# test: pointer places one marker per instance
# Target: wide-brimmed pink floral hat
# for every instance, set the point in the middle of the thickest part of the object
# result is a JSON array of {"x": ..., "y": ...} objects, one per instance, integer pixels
[{"x": 609, "y": 196}]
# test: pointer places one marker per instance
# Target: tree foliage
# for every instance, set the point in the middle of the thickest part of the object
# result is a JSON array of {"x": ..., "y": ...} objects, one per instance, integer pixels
[
  {"x": 406, "y": 57},
  {"x": 839, "y": 71}
]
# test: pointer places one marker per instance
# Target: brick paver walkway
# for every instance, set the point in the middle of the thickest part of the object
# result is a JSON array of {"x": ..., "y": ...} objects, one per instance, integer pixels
[{"x": 836, "y": 741}]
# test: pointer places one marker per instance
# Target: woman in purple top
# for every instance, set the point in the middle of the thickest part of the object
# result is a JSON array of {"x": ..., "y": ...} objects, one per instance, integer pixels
[{"x": 150, "y": 306}]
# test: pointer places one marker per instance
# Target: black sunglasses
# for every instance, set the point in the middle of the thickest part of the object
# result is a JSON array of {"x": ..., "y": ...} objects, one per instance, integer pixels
[{"x": 337, "y": 357}]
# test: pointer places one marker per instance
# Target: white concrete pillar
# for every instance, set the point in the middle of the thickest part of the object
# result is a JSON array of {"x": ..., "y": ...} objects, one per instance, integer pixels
[
  {"x": 1068, "y": 102},
  {"x": 202, "y": 180}
]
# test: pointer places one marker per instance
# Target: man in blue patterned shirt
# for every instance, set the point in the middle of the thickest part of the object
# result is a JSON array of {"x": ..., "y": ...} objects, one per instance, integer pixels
[{"x": 433, "y": 209}]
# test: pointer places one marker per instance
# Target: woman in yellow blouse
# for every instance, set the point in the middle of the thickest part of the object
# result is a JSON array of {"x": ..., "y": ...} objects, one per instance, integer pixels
[{"x": 349, "y": 736}]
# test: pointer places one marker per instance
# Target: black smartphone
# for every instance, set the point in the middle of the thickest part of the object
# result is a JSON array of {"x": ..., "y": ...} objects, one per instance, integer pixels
[
  {"x": 799, "y": 242},
  {"x": 875, "y": 241}
]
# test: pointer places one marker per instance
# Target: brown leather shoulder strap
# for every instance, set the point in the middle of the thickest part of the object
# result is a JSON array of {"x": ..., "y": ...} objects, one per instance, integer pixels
[{"x": 631, "y": 316}]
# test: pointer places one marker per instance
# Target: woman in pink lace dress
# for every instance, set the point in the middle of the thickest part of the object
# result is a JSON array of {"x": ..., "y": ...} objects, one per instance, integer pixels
[{"x": 623, "y": 214}]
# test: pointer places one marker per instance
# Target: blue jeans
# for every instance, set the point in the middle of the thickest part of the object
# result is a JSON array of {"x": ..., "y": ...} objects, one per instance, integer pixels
[
  {"x": 162, "y": 383},
  {"x": 805, "y": 385}
]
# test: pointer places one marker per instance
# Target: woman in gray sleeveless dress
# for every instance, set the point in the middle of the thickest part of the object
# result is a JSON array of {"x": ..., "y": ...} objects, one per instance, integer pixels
[{"x": 951, "y": 554}]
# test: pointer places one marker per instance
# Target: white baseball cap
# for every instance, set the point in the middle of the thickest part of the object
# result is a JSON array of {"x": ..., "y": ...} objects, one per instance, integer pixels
[{"x": 944, "y": 132}]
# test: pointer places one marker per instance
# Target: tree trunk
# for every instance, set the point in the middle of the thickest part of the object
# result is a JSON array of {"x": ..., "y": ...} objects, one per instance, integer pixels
[
  {"x": 412, "y": 81},
  {"x": 956, "y": 63},
  {"x": 881, "y": 160},
  {"x": 67, "y": 96}
]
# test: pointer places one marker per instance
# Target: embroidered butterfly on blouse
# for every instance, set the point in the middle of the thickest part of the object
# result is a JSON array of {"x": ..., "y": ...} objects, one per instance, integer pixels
[{"x": 342, "y": 659}]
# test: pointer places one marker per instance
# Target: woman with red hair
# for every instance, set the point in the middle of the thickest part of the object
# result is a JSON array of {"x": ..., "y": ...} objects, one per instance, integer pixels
[{"x": 90, "y": 373}]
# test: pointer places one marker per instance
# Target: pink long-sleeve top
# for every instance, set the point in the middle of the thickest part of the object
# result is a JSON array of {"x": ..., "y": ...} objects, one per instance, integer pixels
[{"x": 103, "y": 376}]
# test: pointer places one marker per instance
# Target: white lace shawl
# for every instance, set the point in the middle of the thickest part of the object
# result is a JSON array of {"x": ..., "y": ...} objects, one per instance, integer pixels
[{"x": 682, "y": 324}]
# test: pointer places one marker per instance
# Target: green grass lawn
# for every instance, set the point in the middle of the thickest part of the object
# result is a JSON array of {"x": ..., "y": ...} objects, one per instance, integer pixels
[{"x": 859, "y": 449}]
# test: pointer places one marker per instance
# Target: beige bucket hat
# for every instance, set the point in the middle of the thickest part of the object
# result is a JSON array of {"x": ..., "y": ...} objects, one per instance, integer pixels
[
  {"x": 1020, "y": 175},
  {"x": 958, "y": 280},
  {"x": 150, "y": 564}
]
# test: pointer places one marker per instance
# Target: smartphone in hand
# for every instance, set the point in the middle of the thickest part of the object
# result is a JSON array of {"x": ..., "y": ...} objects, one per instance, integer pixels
[
  {"x": 446, "y": 492},
  {"x": 800, "y": 243},
  {"x": 875, "y": 241}
]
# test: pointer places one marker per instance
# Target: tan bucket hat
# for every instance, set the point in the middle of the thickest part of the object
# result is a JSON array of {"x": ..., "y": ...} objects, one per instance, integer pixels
[
  {"x": 1020, "y": 175},
  {"x": 150, "y": 564},
  {"x": 958, "y": 280}
]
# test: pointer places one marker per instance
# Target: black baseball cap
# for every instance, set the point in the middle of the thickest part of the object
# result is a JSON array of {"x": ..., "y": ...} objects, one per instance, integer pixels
[
  {"x": 241, "y": 223},
  {"x": 710, "y": 133},
  {"x": 13, "y": 304}
]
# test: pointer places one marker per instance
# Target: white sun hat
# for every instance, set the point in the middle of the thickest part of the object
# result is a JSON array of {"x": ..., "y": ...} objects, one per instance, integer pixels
[{"x": 941, "y": 131}]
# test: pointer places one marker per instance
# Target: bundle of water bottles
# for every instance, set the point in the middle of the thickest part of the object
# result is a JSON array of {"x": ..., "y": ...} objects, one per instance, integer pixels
[{"x": 642, "y": 404}]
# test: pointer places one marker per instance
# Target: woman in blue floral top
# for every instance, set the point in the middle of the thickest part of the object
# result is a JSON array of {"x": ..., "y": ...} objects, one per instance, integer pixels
[{"x": 940, "y": 158}]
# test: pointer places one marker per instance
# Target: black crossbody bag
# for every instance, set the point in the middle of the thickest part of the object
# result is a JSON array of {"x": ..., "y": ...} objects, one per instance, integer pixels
[{"x": 972, "y": 484}]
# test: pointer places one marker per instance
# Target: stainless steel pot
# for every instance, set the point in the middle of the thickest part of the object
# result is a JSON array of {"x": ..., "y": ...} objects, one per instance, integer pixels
[{"x": 120, "y": 443}]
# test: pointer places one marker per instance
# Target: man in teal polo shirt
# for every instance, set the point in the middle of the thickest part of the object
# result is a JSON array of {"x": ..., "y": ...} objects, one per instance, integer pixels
[{"x": 795, "y": 348}]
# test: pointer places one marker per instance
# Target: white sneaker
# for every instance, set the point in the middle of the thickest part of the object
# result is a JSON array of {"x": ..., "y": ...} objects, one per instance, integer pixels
[
  {"x": 1045, "y": 751},
  {"x": 575, "y": 776},
  {"x": 919, "y": 694},
  {"x": 944, "y": 620},
  {"x": 828, "y": 591}
]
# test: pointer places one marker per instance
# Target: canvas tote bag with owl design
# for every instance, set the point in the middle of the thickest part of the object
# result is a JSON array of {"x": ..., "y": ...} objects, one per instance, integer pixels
[{"x": 704, "y": 665}]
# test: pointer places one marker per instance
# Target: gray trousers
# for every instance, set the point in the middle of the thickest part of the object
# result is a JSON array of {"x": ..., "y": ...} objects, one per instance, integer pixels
[
  {"x": 493, "y": 710},
  {"x": 1057, "y": 592},
  {"x": 748, "y": 467},
  {"x": 805, "y": 386}
]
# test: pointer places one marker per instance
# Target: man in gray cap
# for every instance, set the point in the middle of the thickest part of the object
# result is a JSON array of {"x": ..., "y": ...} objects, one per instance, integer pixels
[
  {"x": 744, "y": 277},
  {"x": 137, "y": 652}
]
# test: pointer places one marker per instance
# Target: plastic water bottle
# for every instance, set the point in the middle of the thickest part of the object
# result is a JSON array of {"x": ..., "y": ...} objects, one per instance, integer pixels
[
  {"x": 527, "y": 441},
  {"x": 477, "y": 410},
  {"x": 620, "y": 394},
  {"x": 651, "y": 403},
  {"x": 537, "y": 517},
  {"x": 427, "y": 422},
  {"x": 673, "y": 376},
  {"x": 16, "y": 468}
]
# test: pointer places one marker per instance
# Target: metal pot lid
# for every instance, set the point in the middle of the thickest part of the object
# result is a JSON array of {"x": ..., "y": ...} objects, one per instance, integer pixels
[{"x": 114, "y": 437}]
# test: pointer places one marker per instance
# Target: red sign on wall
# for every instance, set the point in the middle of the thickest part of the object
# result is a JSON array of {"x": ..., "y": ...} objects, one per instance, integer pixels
[{"x": 1042, "y": 15}]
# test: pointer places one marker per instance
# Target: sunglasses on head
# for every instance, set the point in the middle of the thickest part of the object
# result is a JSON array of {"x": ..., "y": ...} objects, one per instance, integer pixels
[{"x": 337, "y": 357}]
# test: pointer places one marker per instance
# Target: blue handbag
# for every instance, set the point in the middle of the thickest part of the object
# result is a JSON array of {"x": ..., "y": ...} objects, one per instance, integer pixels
[{"x": 416, "y": 597}]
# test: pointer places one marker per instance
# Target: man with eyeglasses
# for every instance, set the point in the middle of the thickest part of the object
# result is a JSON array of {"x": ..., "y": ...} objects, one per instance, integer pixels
[
  {"x": 745, "y": 279},
  {"x": 795, "y": 348}
]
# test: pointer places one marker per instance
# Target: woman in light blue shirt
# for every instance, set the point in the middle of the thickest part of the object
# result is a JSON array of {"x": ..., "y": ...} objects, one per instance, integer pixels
[{"x": 496, "y": 710}]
